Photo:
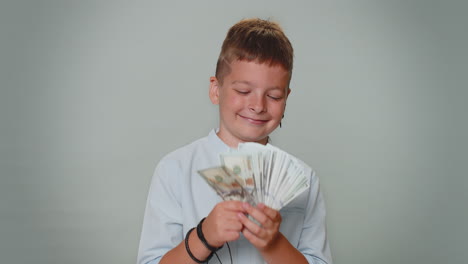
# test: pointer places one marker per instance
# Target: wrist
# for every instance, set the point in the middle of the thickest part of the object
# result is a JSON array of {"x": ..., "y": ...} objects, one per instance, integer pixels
[
  {"x": 211, "y": 246},
  {"x": 274, "y": 244},
  {"x": 193, "y": 253}
]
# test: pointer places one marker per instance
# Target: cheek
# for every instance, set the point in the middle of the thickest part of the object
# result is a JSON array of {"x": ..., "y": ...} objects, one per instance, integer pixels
[
  {"x": 277, "y": 109},
  {"x": 230, "y": 104},
  {"x": 234, "y": 102}
]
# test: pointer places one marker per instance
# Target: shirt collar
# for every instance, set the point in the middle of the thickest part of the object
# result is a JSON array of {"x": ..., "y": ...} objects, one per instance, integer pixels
[
  {"x": 213, "y": 137},
  {"x": 217, "y": 142}
]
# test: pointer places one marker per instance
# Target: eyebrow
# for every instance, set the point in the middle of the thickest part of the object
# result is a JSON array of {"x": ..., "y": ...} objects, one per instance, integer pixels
[
  {"x": 242, "y": 82},
  {"x": 252, "y": 85}
]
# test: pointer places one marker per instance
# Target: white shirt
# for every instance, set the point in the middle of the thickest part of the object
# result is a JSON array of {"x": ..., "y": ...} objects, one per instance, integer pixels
[{"x": 179, "y": 198}]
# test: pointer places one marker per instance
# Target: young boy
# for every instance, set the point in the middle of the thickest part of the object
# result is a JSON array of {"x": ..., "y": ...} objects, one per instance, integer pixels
[{"x": 251, "y": 87}]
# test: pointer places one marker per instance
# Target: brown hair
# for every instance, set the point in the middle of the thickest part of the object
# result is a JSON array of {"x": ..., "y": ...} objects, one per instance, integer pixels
[{"x": 257, "y": 40}]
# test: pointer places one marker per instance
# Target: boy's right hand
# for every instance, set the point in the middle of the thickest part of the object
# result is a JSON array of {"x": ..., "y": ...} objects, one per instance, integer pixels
[{"x": 222, "y": 224}]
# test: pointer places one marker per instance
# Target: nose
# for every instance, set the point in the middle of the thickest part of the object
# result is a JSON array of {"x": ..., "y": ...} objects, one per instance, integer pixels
[{"x": 257, "y": 104}]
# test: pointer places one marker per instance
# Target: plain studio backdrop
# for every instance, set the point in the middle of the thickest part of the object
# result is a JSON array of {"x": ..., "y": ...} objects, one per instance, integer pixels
[{"x": 94, "y": 93}]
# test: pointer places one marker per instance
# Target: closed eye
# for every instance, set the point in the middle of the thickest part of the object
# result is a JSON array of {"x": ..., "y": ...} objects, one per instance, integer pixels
[
  {"x": 242, "y": 92},
  {"x": 275, "y": 97}
]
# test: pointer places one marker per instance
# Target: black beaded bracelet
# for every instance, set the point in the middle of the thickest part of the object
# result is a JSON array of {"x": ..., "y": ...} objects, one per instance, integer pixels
[
  {"x": 190, "y": 252},
  {"x": 203, "y": 239}
]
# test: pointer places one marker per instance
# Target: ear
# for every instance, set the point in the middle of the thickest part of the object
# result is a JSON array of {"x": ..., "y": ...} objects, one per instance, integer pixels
[{"x": 214, "y": 90}]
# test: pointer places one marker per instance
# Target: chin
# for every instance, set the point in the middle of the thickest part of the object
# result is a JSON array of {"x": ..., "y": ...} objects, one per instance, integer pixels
[{"x": 255, "y": 138}]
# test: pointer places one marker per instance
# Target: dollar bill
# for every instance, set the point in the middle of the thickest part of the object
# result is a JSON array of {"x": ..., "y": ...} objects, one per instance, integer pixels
[
  {"x": 258, "y": 174},
  {"x": 225, "y": 184},
  {"x": 240, "y": 164}
]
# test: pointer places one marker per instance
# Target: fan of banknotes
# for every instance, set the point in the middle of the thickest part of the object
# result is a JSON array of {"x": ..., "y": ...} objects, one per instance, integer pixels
[{"x": 257, "y": 173}]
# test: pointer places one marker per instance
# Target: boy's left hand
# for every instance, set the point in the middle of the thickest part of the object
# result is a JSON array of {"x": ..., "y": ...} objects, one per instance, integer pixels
[{"x": 264, "y": 235}]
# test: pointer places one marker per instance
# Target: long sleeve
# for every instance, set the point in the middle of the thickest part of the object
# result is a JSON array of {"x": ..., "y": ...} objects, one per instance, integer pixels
[
  {"x": 313, "y": 242},
  {"x": 162, "y": 223}
]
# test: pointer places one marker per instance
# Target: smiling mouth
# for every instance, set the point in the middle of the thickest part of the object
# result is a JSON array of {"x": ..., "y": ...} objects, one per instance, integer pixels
[{"x": 254, "y": 121}]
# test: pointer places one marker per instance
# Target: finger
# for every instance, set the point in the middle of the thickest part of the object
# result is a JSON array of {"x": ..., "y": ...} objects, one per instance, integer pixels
[
  {"x": 258, "y": 215},
  {"x": 220, "y": 229},
  {"x": 234, "y": 225},
  {"x": 219, "y": 218},
  {"x": 251, "y": 226},
  {"x": 223, "y": 223},
  {"x": 231, "y": 236},
  {"x": 232, "y": 205},
  {"x": 223, "y": 220},
  {"x": 254, "y": 240},
  {"x": 271, "y": 213}
]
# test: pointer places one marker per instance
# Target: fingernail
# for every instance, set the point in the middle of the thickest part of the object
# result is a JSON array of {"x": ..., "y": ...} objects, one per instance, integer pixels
[{"x": 246, "y": 205}]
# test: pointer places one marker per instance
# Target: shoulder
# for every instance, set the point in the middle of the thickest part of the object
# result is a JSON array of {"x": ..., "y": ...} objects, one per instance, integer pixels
[
  {"x": 190, "y": 157},
  {"x": 188, "y": 150}
]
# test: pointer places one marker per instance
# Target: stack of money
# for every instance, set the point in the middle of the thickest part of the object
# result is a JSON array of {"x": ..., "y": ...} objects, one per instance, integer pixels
[{"x": 257, "y": 173}]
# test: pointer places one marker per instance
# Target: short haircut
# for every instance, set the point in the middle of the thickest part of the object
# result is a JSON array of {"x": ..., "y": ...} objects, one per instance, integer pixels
[{"x": 256, "y": 40}]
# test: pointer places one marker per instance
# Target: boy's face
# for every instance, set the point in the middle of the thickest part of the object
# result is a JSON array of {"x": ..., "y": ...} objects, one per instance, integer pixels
[{"x": 252, "y": 100}]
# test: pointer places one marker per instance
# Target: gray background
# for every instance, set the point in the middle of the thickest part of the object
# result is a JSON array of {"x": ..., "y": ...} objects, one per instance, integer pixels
[{"x": 94, "y": 93}]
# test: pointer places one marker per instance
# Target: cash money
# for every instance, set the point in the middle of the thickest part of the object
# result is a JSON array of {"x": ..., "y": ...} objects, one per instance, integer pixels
[
  {"x": 258, "y": 174},
  {"x": 226, "y": 184}
]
